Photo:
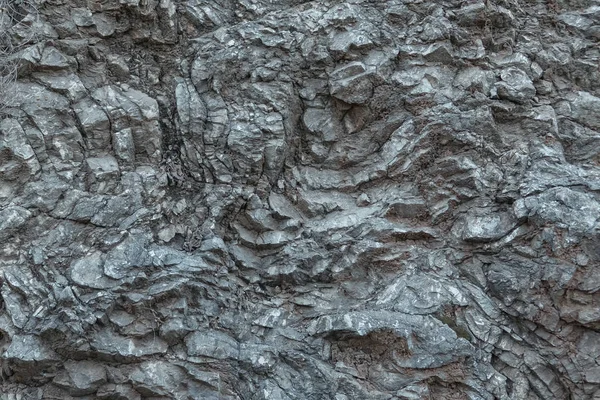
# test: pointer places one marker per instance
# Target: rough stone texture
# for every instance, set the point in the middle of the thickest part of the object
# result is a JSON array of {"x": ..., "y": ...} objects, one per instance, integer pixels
[{"x": 288, "y": 200}]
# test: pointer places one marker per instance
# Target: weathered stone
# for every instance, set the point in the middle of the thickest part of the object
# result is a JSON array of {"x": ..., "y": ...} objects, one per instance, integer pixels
[
  {"x": 88, "y": 272},
  {"x": 28, "y": 355},
  {"x": 11, "y": 220},
  {"x": 102, "y": 173},
  {"x": 118, "y": 66},
  {"x": 515, "y": 86},
  {"x": 562, "y": 206},
  {"x": 104, "y": 23},
  {"x": 212, "y": 344},
  {"x": 123, "y": 145},
  {"x": 68, "y": 84},
  {"x": 130, "y": 108},
  {"x": 110, "y": 344},
  {"x": 81, "y": 377},
  {"x": 299, "y": 200},
  {"x": 95, "y": 123},
  {"x": 485, "y": 227},
  {"x": 323, "y": 123},
  {"x": 18, "y": 160},
  {"x": 583, "y": 109},
  {"x": 117, "y": 392},
  {"x": 82, "y": 16},
  {"x": 54, "y": 59},
  {"x": 351, "y": 84},
  {"x": 156, "y": 378}
]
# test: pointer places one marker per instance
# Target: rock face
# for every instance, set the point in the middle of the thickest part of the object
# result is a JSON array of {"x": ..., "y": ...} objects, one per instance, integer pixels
[{"x": 291, "y": 200}]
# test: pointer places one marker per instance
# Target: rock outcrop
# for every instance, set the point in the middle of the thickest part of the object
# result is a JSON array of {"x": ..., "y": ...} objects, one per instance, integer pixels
[{"x": 288, "y": 200}]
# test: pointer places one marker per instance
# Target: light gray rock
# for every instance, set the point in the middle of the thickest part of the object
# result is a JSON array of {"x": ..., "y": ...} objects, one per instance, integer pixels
[
  {"x": 485, "y": 226},
  {"x": 68, "y": 84},
  {"x": 82, "y": 16},
  {"x": 562, "y": 206},
  {"x": 28, "y": 355},
  {"x": 351, "y": 84},
  {"x": 117, "y": 392},
  {"x": 157, "y": 378},
  {"x": 11, "y": 220},
  {"x": 18, "y": 159},
  {"x": 54, "y": 59},
  {"x": 123, "y": 105},
  {"x": 515, "y": 85},
  {"x": 88, "y": 272},
  {"x": 102, "y": 173},
  {"x": 583, "y": 106},
  {"x": 111, "y": 345},
  {"x": 94, "y": 122},
  {"x": 122, "y": 142}
]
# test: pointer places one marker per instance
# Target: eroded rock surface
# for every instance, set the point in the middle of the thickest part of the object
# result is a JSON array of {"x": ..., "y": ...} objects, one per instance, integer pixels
[{"x": 258, "y": 199}]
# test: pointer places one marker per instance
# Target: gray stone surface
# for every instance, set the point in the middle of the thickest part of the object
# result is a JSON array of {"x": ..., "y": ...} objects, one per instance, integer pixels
[{"x": 293, "y": 200}]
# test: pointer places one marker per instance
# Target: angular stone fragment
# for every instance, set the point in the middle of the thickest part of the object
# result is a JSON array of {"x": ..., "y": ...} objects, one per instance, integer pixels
[
  {"x": 54, "y": 59},
  {"x": 66, "y": 83},
  {"x": 11, "y": 220},
  {"x": 407, "y": 208},
  {"x": 584, "y": 109},
  {"x": 130, "y": 108},
  {"x": 113, "y": 391},
  {"x": 130, "y": 254},
  {"x": 122, "y": 142},
  {"x": 82, "y": 16},
  {"x": 212, "y": 344},
  {"x": 354, "y": 89},
  {"x": 156, "y": 378},
  {"x": 18, "y": 160},
  {"x": 81, "y": 377},
  {"x": 30, "y": 358},
  {"x": 110, "y": 344},
  {"x": 95, "y": 123},
  {"x": 515, "y": 86},
  {"x": 434, "y": 337},
  {"x": 102, "y": 173},
  {"x": 88, "y": 272},
  {"x": 441, "y": 53},
  {"x": 173, "y": 330},
  {"x": 562, "y": 206},
  {"x": 118, "y": 66},
  {"x": 484, "y": 228},
  {"x": 105, "y": 24},
  {"x": 323, "y": 123},
  {"x": 471, "y": 13}
]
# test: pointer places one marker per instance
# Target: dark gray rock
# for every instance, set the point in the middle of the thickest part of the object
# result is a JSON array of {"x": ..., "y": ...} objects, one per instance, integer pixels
[
  {"x": 81, "y": 377},
  {"x": 212, "y": 344},
  {"x": 299, "y": 200}
]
